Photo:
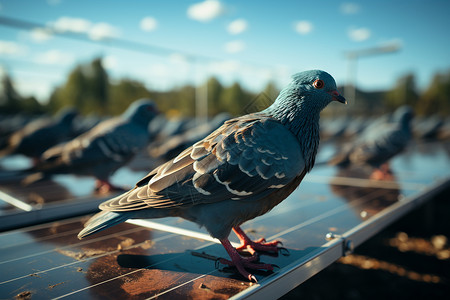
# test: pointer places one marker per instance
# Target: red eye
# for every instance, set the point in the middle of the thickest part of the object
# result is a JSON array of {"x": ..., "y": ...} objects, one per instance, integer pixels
[{"x": 318, "y": 84}]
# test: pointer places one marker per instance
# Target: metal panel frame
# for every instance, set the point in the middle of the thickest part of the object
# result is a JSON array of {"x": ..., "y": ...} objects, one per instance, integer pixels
[{"x": 301, "y": 270}]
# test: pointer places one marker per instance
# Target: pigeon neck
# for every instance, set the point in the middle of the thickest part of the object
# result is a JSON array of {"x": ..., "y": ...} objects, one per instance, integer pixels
[
  {"x": 303, "y": 122},
  {"x": 140, "y": 120}
]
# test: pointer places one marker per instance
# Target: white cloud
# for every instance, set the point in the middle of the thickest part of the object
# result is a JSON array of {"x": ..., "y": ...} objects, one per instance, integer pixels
[
  {"x": 234, "y": 46},
  {"x": 177, "y": 58},
  {"x": 40, "y": 34},
  {"x": 110, "y": 62},
  {"x": 205, "y": 11},
  {"x": 95, "y": 31},
  {"x": 224, "y": 67},
  {"x": 39, "y": 88},
  {"x": 11, "y": 48},
  {"x": 237, "y": 26},
  {"x": 101, "y": 31},
  {"x": 359, "y": 34},
  {"x": 54, "y": 57},
  {"x": 303, "y": 27},
  {"x": 349, "y": 8},
  {"x": 148, "y": 24},
  {"x": 68, "y": 24}
]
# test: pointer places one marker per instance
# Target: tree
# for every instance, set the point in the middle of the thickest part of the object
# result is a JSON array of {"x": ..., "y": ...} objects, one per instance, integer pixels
[
  {"x": 215, "y": 89},
  {"x": 404, "y": 92},
  {"x": 9, "y": 98},
  {"x": 98, "y": 85},
  {"x": 86, "y": 89},
  {"x": 122, "y": 94},
  {"x": 233, "y": 99},
  {"x": 435, "y": 99}
]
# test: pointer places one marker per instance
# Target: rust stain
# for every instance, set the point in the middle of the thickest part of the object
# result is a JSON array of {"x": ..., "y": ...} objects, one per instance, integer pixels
[
  {"x": 153, "y": 281},
  {"x": 51, "y": 286},
  {"x": 24, "y": 295},
  {"x": 81, "y": 255},
  {"x": 212, "y": 287},
  {"x": 147, "y": 244},
  {"x": 128, "y": 242}
]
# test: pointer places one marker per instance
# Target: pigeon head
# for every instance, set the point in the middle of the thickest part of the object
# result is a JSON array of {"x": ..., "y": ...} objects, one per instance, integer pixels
[
  {"x": 299, "y": 105},
  {"x": 403, "y": 115},
  {"x": 308, "y": 93},
  {"x": 141, "y": 112},
  {"x": 67, "y": 115}
]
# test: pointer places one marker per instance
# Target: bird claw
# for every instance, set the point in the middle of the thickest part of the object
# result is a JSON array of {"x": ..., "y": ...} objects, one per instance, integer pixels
[{"x": 283, "y": 251}]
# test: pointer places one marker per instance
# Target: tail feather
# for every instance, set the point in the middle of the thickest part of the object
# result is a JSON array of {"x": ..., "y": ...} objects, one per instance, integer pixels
[{"x": 103, "y": 220}]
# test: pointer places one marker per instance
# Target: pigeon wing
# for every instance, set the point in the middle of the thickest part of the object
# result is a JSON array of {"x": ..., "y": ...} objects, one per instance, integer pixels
[{"x": 247, "y": 158}]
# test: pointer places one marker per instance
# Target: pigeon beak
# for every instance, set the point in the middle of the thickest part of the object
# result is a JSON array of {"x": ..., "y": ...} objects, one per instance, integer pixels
[{"x": 337, "y": 97}]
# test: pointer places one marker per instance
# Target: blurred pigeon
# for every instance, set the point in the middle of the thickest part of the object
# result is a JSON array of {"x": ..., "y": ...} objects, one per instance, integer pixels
[
  {"x": 240, "y": 171},
  {"x": 175, "y": 144},
  {"x": 378, "y": 144},
  {"x": 103, "y": 149},
  {"x": 39, "y": 135},
  {"x": 428, "y": 128}
]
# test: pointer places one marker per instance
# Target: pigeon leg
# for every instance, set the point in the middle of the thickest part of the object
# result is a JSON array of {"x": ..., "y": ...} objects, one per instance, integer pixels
[
  {"x": 241, "y": 263},
  {"x": 105, "y": 187},
  {"x": 253, "y": 246},
  {"x": 382, "y": 173}
]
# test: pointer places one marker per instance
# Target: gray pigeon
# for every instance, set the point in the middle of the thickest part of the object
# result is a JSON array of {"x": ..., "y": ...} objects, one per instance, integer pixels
[
  {"x": 175, "y": 144},
  {"x": 238, "y": 172},
  {"x": 378, "y": 144},
  {"x": 39, "y": 135},
  {"x": 103, "y": 149}
]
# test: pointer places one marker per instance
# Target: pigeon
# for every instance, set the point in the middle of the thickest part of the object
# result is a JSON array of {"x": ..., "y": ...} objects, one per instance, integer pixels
[
  {"x": 177, "y": 143},
  {"x": 41, "y": 134},
  {"x": 100, "y": 151},
  {"x": 378, "y": 144},
  {"x": 238, "y": 172}
]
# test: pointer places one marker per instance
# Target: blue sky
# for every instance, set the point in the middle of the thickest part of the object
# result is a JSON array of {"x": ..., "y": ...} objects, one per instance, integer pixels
[{"x": 246, "y": 41}]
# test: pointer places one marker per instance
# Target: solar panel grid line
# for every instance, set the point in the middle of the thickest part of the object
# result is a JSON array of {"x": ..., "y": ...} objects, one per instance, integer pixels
[
  {"x": 181, "y": 285},
  {"x": 97, "y": 239},
  {"x": 369, "y": 227},
  {"x": 361, "y": 182},
  {"x": 294, "y": 274},
  {"x": 303, "y": 224},
  {"x": 357, "y": 235},
  {"x": 86, "y": 259},
  {"x": 140, "y": 270},
  {"x": 194, "y": 234},
  {"x": 124, "y": 275},
  {"x": 37, "y": 227},
  {"x": 56, "y": 235},
  {"x": 15, "y": 202},
  {"x": 80, "y": 243},
  {"x": 324, "y": 215}
]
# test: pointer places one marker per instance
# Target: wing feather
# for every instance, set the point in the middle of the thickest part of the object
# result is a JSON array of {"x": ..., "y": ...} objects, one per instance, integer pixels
[{"x": 244, "y": 159}]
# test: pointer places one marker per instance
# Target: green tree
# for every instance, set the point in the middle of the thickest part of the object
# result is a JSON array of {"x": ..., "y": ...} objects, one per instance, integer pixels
[
  {"x": 404, "y": 92},
  {"x": 122, "y": 94},
  {"x": 86, "y": 89},
  {"x": 215, "y": 89},
  {"x": 98, "y": 86},
  {"x": 233, "y": 99},
  {"x": 9, "y": 98},
  {"x": 435, "y": 99}
]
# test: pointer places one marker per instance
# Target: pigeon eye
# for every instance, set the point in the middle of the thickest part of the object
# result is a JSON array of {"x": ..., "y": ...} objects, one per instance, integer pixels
[{"x": 318, "y": 84}]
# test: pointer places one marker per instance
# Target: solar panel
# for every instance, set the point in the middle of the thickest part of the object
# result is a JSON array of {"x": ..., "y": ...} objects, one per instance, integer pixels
[{"x": 332, "y": 212}]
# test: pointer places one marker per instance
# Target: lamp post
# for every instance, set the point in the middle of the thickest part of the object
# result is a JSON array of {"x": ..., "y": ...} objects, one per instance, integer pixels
[{"x": 353, "y": 56}]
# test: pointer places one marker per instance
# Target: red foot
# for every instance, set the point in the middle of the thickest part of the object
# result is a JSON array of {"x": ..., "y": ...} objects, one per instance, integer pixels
[
  {"x": 105, "y": 187},
  {"x": 383, "y": 173},
  {"x": 254, "y": 246},
  {"x": 242, "y": 263}
]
